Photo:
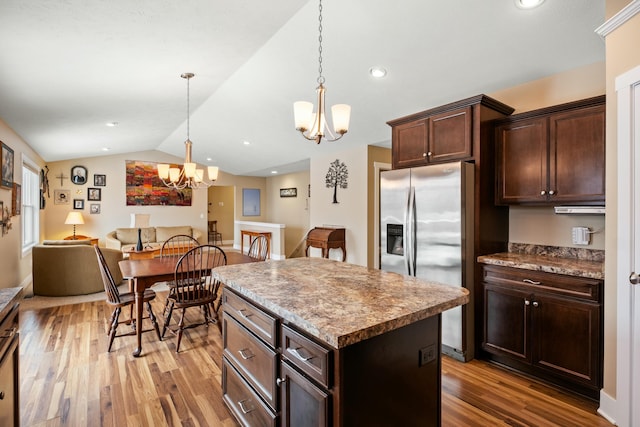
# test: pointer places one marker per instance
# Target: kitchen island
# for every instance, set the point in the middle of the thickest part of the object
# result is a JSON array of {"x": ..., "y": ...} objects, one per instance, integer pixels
[{"x": 312, "y": 341}]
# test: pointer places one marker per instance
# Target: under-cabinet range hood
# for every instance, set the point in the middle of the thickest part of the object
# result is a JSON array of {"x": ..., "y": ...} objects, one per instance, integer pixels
[{"x": 581, "y": 210}]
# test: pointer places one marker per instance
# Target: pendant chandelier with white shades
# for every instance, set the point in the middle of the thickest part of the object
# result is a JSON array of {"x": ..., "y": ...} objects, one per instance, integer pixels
[
  {"x": 313, "y": 126},
  {"x": 189, "y": 175}
]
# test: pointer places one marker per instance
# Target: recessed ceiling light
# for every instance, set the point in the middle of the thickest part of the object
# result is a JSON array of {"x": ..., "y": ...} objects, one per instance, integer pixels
[
  {"x": 112, "y": 124},
  {"x": 106, "y": 148},
  {"x": 528, "y": 4},
  {"x": 377, "y": 72},
  {"x": 274, "y": 172},
  {"x": 246, "y": 142},
  {"x": 209, "y": 159}
]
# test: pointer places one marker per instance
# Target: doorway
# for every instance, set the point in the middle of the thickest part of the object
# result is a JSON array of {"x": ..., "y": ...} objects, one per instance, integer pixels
[
  {"x": 220, "y": 207},
  {"x": 628, "y": 250}
]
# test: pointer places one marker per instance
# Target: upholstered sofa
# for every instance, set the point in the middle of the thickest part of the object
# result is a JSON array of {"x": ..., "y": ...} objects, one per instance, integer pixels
[
  {"x": 70, "y": 267},
  {"x": 124, "y": 239}
]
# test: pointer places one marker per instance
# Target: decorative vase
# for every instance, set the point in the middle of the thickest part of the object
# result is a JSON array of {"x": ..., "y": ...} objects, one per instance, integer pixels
[{"x": 139, "y": 244}]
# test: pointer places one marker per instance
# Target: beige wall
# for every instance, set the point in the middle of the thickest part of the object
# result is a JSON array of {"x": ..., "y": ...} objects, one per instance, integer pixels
[
  {"x": 541, "y": 225},
  {"x": 114, "y": 212},
  {"x": 15, "y": 269},
  {"x": 291, "y": 211},
  {"x": 351, "y": 210},
  {"x": 622, "y": 55},
  {"x": 380, "y": 155}
]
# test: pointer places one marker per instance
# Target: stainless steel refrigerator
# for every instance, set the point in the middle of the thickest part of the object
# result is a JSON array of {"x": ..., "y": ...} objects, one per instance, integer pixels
[{"x": 426, "y": 230}]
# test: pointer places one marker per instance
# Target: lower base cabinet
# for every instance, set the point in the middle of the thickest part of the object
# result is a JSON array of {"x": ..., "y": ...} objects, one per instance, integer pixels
[
  {"x": 9, "y": 355},
  {"x": 545, "y": 324},
  {"x": 275, "y": 374}
]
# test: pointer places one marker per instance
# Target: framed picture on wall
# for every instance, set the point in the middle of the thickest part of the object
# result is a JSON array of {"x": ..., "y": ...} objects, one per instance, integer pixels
[
  {"x": 251, "y": 202},
  {"x": 94, "y": 208},
  {"x": 94, "y": 194},
  {"x": 99, "y": 180},
  {"x": 6, "y": 159},
  {"x": 78, "y": 204}
]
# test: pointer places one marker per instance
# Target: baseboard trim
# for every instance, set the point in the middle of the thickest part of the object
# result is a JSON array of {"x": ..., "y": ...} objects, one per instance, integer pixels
[{"x": 607, "y": 407}]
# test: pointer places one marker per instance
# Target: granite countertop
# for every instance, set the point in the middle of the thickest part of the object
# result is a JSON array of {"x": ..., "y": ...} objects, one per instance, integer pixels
[
  {"x": 339, "y": 303},
  {"x": 8, "y": 297},
  {"x": 569, "y": 261}
]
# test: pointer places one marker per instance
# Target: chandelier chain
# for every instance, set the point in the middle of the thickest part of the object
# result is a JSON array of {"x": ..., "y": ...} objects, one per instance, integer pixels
[{"x": 320, "y": 77}]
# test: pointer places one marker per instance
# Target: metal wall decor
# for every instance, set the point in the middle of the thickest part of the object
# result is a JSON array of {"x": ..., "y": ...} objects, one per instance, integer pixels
[{"x": 336, "y": 177}]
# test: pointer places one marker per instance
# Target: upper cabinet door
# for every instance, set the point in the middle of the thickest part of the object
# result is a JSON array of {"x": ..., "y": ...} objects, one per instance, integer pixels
[
  {"x": 522, "y": 162},
  {"x": 577, "y": 155},
  {"x": 450, "y": 136},
  {"x": 410, "y": 144}
]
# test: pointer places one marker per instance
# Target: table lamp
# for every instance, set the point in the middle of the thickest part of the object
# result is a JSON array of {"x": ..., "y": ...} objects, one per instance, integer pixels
[{"x": 74, "y": 218}]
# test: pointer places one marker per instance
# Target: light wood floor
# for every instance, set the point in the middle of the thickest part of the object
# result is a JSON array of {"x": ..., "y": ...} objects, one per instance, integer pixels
[{"x": 68, "y": 379}]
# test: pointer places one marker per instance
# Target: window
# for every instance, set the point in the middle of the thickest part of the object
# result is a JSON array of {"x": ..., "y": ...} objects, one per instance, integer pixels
[{"x": 30, "y": 204}]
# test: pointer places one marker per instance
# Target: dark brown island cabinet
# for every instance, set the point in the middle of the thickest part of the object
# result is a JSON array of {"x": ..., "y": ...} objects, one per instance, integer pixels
[
  {"x": 9, "y": 357},
  {"x": 545, "y": 324},
  {"x": 553, "y": 156},
  {"x": 306, "y": 344}
]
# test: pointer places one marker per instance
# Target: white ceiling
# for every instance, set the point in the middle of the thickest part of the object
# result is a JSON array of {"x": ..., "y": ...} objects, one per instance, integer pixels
[{"x": 67, "y": 67}]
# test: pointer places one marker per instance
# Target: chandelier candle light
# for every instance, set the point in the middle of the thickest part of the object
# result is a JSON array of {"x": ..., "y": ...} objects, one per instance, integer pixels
[
  {"x": 312, "y": 126},
  {"x": 189, "y": 175}
]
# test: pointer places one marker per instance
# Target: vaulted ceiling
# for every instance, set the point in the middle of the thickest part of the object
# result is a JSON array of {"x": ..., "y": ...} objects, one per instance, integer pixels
[{"x": 68, "y": 67}]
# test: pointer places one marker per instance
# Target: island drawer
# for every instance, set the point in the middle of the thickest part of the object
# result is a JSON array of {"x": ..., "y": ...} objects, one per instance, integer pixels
[
  {"x": 256, "y": 320},
  {"x": 577, "y": 287},
  {"x": 257, "y": 363},
  {"x": 8, "y": 328},
  {"x": 242, "y": 400},
  {"x": 310, "y": 357}
]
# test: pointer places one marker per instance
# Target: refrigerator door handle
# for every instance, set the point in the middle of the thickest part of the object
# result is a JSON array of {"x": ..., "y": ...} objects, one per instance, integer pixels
[
  {"x": 406, "y": 237},
  {"x": 411, "y": 232}
]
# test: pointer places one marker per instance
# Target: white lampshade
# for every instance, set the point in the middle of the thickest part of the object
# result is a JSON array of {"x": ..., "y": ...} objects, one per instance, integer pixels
[
  {"x": 74, "y": 218},
  {"x": 302, "y": 111},
  {"x": 341, "y": 113},
  {"x": 213, "y": 173},
  {"x": 163, "y": 170},
  {"x": 189, "y": 170},
  {"x": 174, "y": 174},
  {"x": 140, "y": 220}
]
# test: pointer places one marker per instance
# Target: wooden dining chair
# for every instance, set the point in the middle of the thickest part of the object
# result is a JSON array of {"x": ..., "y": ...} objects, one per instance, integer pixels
[
  {"x": 259, "y": 248},
  {"x": 214, "y": 235},
  {"x": 176, "y": 246},
  {"x": 119, "y": 300},
  {"x": 194, "y": 287}
]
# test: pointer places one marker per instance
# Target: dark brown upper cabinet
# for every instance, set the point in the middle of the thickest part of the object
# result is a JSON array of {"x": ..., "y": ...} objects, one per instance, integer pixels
[{"x": 552, "y": 156}]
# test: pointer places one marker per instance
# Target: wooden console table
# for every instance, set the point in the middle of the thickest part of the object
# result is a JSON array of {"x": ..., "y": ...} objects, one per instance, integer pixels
[
  {"x": 252, "y": 235},
  {"x": 326, "y": 238}
]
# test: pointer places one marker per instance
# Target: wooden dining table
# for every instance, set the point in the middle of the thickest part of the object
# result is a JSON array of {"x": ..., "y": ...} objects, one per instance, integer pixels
[{"x": 144, "y": 273}]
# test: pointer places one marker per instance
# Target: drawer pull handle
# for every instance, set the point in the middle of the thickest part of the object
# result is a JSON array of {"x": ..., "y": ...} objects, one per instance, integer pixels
[
  {"x": 248, "y": 354},
  {"x": 531, "y": 282},
  {"x": 280, "y": 381},
  {"x": 243, "y": 312},
  {"x": 242, "y": 408},
  {"x": 297, "y": 354},
  {"x": 10, "y": 333}
]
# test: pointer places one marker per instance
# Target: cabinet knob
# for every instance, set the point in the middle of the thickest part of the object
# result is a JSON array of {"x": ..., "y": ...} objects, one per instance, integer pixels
[
  {"x": 429, "y": 153},
  {"x": 535, "y": 304},
  {"x": 634, "y": 279},
  {"x": 551, "y": 192},
  {"x": 424, "y": 154},
  {"x": 280, "y": 381},
  {"x": 542, "y": 193},
  {"x": 527, "y": 302}
]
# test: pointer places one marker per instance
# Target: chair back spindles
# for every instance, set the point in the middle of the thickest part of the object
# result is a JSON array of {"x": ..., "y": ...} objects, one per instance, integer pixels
[
  {"x": 110, "y": 288},
  {"x": 178, "y": 245},
  {"x": 259, "y": 248}
]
